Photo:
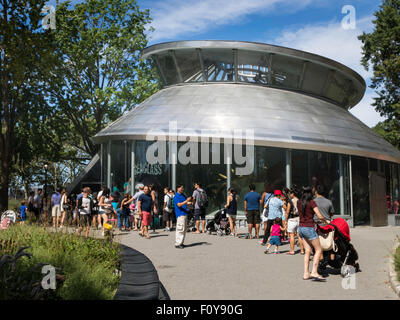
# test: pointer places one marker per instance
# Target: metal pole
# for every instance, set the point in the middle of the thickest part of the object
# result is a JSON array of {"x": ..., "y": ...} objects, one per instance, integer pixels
[
  {"x": 351, "y": 190},
  {"x": 173, "y": 158},
  {"x": 228, "y": 171},
  {"x": 109, "y": 165},
  {"x": 341, "y": 185},
  {"x": 133, "y": 144},
  {"x": 288, "y": 168}
]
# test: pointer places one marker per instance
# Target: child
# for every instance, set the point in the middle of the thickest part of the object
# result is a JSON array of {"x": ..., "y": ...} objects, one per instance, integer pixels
[
  {"x": 275, "y": 235},
  {"x": 22, "y": 211}
]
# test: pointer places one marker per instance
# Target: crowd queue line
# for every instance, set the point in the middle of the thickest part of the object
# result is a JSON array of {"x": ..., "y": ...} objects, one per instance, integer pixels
[{"x": 286, "y": 213}]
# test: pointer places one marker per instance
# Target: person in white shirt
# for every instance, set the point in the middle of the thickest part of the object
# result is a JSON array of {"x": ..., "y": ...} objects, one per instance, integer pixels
[{"x": 85, "y": 205}]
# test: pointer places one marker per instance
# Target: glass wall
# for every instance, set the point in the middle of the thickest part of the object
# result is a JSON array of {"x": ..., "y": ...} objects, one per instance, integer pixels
[
  {"x": 310, "y": 168},
  {"x": 360, "y": 179},
  {"x": 269, "y": 169}
]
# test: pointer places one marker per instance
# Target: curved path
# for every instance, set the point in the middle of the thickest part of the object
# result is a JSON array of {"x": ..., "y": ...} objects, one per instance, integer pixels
[{"x": 213, "y": 267}]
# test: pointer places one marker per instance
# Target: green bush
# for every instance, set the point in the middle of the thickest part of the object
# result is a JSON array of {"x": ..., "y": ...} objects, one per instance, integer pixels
[
  {"x": 88, "y": 265},
  {"x": 397, "y": 261}
]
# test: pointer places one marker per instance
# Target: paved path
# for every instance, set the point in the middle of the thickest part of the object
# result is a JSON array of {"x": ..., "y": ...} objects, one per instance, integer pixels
[{"x": 213, "y": 267}]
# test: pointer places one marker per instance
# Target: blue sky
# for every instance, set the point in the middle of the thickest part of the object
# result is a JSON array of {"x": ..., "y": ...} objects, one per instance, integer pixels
[{"x": 309, "y": 25}]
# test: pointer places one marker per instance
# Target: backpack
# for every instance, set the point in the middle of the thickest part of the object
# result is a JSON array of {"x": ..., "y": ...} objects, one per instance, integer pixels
[
  {"x": 202, "y": 200},
  {"x": 170, "y": 204}
]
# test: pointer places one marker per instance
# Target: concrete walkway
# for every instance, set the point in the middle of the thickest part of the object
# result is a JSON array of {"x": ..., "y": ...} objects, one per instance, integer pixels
[{"x": 213, "y": 267}]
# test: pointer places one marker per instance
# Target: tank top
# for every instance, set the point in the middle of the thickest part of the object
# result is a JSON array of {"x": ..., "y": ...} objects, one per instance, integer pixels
[
  {"x": 232, "y": 208},
  {"x": 104, "y": 209}
]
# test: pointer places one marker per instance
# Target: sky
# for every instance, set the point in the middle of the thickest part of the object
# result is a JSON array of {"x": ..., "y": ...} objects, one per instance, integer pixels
[{"x": 310, "y": 25}]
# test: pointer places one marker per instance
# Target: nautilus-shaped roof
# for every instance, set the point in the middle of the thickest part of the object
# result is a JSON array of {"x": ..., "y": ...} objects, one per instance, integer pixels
[{"x": 289, "y": 98}]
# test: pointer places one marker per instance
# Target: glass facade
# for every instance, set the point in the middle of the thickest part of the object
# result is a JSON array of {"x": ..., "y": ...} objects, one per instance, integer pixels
[
  {"x": 188, "y": 65},
  {"x": 270, "y": 167}
]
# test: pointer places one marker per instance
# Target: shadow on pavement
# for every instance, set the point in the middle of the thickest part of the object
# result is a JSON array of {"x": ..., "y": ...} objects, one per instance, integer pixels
[{"x": 197, "y": 244}]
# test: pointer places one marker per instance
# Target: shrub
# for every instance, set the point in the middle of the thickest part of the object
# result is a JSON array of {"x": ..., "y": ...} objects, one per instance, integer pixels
[
  {"x": 397, "y": 261},
  {"x": 88, "y": 265}
]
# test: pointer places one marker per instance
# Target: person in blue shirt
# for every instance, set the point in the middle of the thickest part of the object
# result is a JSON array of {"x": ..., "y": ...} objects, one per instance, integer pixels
[
  {"x": 56, "y": 207},
  {"x": 274, "y": 211},
  {"x": 22, "y": 211},
  {"x": 252, "y": 201},
  {"x": 181, "y": 211}
]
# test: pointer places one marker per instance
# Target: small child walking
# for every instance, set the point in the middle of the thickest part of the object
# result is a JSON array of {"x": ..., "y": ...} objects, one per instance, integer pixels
[
  {"x": 22, "y": 211},
  {"x": 275, "y": 236}
]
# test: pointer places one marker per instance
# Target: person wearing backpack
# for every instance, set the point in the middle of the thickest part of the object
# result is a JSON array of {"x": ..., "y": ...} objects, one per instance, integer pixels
[
  {"x": 167, "y": 210},
  {"x": 265, "y": 198},
  {"x": 200, "y": 203}
]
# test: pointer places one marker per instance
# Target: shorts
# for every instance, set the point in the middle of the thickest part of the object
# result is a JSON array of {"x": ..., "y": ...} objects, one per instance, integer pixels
[
  {"x": 146, "y": 218},
  {"x": 199, "y": 214},
  {"x": 36, "y": 212},
  {"x": 253, "y": 217},
  {"x": 293, "y": 225},
  {"x": 84, "y": 220},
  {"x": 56, "y": 211},
  {"x": 275, "y": 240},
  {"x": 137, "y": 215},
  {"x": 308, "y": 233},
  {"x": 23, "y": 217},
  {"x": 232, "y": 216},
  {"x": 167, "y": 215}
]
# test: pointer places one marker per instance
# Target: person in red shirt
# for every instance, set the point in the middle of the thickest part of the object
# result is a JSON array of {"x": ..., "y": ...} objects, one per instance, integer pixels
[{"x": 307, "y": 208}]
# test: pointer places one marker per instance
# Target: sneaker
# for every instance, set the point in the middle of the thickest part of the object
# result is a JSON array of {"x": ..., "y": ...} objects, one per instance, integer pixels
[
  {"x": 266, "y": 251},
  {"x": 180, "y": 246},
  {"x": 276, "y": 252},
  {"x": 102, "y": 233}
]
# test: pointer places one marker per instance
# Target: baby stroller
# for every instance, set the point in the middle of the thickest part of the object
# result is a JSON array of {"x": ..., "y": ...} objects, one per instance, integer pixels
[
  {"x": 345, "y": 255},
  {"x": 220, "y": 224}
]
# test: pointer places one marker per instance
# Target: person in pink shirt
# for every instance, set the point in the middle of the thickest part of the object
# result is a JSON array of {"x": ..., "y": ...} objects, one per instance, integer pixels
[
  {"x": 396, "y": 206},
  {"x": 275, "y": 235}
]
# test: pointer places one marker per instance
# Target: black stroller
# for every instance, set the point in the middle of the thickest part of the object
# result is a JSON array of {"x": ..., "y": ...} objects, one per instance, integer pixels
[
  {"x": 345, "y": 254},
  {"x": 220, "y": 224}
]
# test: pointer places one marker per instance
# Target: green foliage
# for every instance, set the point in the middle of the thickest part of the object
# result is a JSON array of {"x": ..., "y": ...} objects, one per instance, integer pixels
[
  {"x": 99, "y": 74},
  {"x": 397, "y": 261},
  {"x": 381, "y": 51},
  {"x": 88, "y": 265}
]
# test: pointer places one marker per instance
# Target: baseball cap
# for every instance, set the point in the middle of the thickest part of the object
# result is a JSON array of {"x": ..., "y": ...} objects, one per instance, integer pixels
[{"x": 277, "y": 193}]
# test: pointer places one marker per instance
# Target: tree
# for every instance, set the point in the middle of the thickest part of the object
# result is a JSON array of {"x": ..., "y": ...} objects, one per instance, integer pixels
[
  {"x": 25, "y": 54},
  {"x": 381, "y": 50},
  {"x": 101, "y": 76}
]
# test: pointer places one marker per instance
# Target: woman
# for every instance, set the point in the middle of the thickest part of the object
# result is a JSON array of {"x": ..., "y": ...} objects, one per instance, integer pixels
[
  {"x": 125, "y": 211},
  {"x": 307, "y": 209},
  {"x": 266, "y": 197},
  {"x": 293, "y": 221},
  {"x": 154, "y": 199},
  {"x": 105, "y": 207},
  {"x": 64, "y": 206},
  {"x": 231, "y": 210}
]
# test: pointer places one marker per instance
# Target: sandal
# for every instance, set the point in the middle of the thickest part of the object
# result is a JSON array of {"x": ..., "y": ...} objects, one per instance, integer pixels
[
  {"x": 320, "y": 279},
  {"x": 302, "y": 253},
  {"x": 290, "y": 253}
]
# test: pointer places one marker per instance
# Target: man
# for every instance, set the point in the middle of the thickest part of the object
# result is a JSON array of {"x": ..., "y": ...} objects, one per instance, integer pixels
[
  {"x": 274, "y": 211},
  {"x": 181, "y": 211},
  {"x": 136, "y": 199},
  {"x": 325, "y": 205},
  {"x": 56, "y": 207},
  {"x": 252, "y": 201},
  {"x": 144, "y": 204},
  {"x": 85, "y": 206},
  {"x": 167, "y": 209},
  {"x": 37, "y": 205},
  {"x": 200, "y": 198},
  {"x": 77, "y": 214}
]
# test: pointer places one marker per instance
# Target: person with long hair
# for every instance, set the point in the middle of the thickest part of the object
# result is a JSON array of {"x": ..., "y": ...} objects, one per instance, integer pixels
[
  {"x": 105, "y": 207},
  {"x": 293, "y": 221},
  {"x": 267, "y": 195},
  {"x": 231, "y": 210},
  {"x": 307, "y": 208},
  {"x": 64, "y": 206}
]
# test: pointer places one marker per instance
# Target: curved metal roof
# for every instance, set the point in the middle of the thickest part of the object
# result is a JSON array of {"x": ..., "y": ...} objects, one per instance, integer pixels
[
  {"x": 346, "y": 90},
  {"x": 279, "y": 118}
]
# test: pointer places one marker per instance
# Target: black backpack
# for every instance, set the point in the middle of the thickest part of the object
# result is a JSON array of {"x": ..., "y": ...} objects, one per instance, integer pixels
[{"x": 202, "y": 200}]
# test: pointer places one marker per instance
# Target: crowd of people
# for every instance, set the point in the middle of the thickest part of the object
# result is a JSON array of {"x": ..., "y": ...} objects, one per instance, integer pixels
[{"x": 284, "y": 214}]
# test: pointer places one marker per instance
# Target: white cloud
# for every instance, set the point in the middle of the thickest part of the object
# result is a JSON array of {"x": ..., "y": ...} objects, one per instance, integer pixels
[
  {"x": 332, "y": 41},
  {"x": 365, "y": 112},
  {"x": 329, "y": 40},
  {"x": 174, "y": 18}
]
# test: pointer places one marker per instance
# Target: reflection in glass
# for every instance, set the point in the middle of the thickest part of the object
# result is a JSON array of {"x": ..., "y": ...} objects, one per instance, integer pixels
[{"x": 360, "y": 180}]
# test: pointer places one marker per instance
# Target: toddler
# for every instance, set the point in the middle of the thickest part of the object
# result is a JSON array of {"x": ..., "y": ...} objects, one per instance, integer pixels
[
  {"x": 275, "y": 235},
  {"x": 22, "y": 211}
]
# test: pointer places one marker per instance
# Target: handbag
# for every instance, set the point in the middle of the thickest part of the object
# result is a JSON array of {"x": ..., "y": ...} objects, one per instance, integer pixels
[
  {"x": 266, "y": 210},
  {"x": 327, "y": 241}
]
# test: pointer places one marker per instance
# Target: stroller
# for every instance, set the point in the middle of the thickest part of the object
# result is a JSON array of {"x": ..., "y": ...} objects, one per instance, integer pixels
[
  {"x": 345, "y": 255},
  {"x": 220, "y": 224}
]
